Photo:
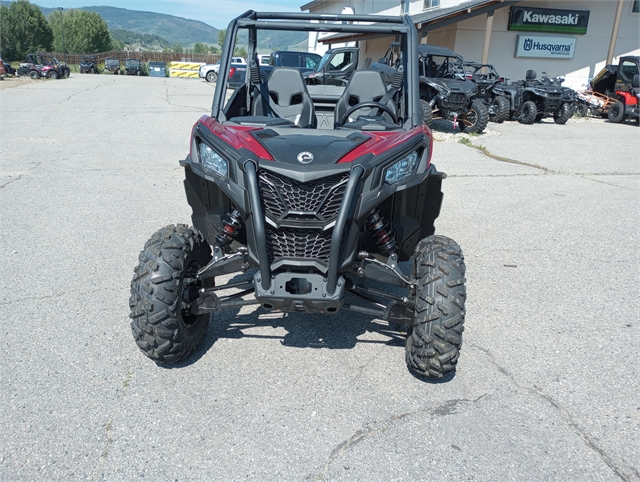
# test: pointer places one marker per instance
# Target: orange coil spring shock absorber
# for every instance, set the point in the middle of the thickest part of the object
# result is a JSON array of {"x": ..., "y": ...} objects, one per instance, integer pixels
[
  {"x": 230, "y": 229},
  {"x": 384, "y": 236}
]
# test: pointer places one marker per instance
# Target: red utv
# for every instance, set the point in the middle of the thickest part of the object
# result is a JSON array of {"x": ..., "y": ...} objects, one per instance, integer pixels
[{"x": 627, "y": 89}]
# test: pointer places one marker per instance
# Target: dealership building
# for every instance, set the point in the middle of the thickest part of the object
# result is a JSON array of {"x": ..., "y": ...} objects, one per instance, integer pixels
[{"x": 572, "y": 38}]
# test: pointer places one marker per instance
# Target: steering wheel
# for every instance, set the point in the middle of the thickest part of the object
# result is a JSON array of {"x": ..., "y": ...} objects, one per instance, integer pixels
[
  {"x": 443, "y": 70},
  {"x": 371, "y": 104}
]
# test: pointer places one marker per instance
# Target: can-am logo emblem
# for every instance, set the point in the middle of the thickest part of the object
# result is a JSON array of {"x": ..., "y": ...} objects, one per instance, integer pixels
[{"x": 305, "y": 157}]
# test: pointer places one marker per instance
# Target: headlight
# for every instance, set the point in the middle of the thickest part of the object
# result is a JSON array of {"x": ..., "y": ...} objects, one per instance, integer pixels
[
  {"x": 212, "y": 161},
  {"x": 401, "y": 169}
]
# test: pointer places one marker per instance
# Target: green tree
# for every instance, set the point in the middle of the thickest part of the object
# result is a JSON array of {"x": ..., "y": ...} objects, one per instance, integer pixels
[
  {"x": 23, "y": 29},
  {"x": 222, "y": 34},
  {"x": 213, "y": 50},
  {"x": 84, "y": 32},
  {"x": 200, "y": 48},
  {"x": 177, "y": 49},
  {"x": 240, "y": 52},
  {"x": 117, "y": 44}
]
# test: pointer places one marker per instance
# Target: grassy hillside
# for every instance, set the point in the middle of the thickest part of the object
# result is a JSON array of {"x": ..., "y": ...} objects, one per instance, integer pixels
[
  {"x": 177, "y": 30},
  {"x": 143, "y": 40}
]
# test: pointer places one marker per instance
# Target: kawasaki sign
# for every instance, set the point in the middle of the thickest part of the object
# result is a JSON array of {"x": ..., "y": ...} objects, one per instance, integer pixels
[
  {"x": 547, "y": 47},
  {"x": 548, "y": 20}
]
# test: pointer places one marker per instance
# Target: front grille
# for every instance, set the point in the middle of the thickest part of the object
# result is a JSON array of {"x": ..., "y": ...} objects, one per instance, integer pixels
[
  {"x": 457, "y": 99},
  {"x": 298, "y": 243},
  {"x": 318, "y": 200}
]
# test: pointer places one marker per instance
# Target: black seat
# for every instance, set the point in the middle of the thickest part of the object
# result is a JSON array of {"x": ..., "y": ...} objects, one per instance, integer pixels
[
  {"x": 289, "y": 98},
  {"x": 363, "y": 86},
  {"x": 531, "y": 78}
]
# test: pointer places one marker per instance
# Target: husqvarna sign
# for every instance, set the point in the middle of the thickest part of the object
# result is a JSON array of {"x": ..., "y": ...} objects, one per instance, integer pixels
[
  {"x": 549, "y": 20},
  {"x": 545, "y": 47}
]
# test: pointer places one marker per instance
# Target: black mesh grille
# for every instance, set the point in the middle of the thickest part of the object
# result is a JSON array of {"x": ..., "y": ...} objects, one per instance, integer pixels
[
  {"x": 285, "y": 198},
  {"x": 298, "y": 243}
]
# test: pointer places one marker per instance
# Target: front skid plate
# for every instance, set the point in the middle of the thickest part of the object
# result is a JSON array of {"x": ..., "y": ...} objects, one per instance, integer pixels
[{"x": 299, "y": 292}]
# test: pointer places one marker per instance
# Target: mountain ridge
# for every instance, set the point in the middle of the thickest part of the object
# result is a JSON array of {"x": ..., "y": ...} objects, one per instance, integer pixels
[{"x": 179, "y": 30}]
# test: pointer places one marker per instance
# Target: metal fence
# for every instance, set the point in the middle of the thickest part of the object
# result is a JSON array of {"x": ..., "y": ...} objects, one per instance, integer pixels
[{"x": 141, "y": 56}]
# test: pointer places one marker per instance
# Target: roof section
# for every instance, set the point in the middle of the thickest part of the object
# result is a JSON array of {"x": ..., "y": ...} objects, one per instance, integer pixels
[
  {"x": 314, "y": 3},
  {"x": 433, "y": 18},
  {"x": 428, "y": 49},
  {"x": 442, "y": 12}
]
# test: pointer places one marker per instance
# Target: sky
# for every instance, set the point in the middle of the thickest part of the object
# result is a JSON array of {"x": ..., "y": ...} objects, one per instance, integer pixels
[{"x": 217, "y": 13}]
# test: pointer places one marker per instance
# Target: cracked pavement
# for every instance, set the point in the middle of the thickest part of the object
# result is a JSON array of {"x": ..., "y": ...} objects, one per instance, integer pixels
[{"x": 548, "y": 383}]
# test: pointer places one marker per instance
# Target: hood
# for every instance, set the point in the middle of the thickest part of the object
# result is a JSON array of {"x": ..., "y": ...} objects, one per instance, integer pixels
[
  {"x": 453, "y": 85},
  {"x": 300, "y": 149}
]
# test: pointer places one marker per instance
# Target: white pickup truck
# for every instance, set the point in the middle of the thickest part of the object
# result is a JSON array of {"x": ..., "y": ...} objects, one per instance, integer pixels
[{"x": 210, "y": 72}]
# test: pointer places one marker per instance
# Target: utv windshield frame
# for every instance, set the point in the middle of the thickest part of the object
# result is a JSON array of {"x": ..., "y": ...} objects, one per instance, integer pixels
[{"x": 376, "y": 26}]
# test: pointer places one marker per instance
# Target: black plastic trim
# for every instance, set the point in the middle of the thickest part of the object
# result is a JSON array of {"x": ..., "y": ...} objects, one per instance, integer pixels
[
  {"x": 346, "y": 210},
  {"x": 258, "y": 222}
]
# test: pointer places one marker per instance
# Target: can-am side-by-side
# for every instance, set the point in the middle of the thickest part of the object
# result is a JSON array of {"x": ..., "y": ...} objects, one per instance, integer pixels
[{"x": 316, "y": 193}]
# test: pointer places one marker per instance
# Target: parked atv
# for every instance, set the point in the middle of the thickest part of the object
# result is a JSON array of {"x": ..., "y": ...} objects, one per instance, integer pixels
[
  {"x": 88, "y": 65},
  {"x": 36, "y": 71},
  {"x": 64, "y": 69},
  {"x": 486, "y": 79},
  {"x": 445, "y": 91},
  {"x": 112, "y": 65},
  {"x": 532, "y": 100},
  {"x": 48, "y": 66},
  {"x": 43, "y": 65},
  {"x": 318, "y": 219},
  {"x": 132, "y": 66}
]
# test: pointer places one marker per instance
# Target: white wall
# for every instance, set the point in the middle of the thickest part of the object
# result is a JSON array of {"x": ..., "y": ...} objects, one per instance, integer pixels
[
  {"x": 467, "y": 37},
  {"x": 591, "y": 48}
]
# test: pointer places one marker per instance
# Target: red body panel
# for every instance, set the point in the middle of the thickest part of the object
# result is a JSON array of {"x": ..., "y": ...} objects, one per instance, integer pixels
[
  {"x": 383, "y": 141},
  {"x": 629, "y": 98},
  {"x": 238, "y": 136}
]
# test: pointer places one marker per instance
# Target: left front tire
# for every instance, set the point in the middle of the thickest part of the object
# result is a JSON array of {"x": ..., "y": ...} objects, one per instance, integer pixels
[
  {"x": 433, "y": 343},
  {"x": 616, "y": 112},
  {"x": 563, "y": 114},
  {"x": 476, "y": 119},
  {"x": 162, "y": 290}
]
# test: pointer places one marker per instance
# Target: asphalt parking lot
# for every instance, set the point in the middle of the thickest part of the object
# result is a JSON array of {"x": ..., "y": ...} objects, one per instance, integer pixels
[{"x": 547, "y": 387}]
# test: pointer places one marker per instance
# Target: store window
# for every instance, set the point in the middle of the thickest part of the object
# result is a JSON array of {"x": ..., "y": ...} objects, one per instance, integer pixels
[
  {"x": 431, "y": 4},
  {"x": 635, "y": 7}
]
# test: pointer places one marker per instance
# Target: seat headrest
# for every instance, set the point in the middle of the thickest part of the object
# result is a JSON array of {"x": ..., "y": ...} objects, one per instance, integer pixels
[{"x": 286, "y": 82}]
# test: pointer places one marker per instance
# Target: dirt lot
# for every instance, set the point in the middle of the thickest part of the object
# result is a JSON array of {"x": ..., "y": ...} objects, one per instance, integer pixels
[{"x": 548, "y": 384}]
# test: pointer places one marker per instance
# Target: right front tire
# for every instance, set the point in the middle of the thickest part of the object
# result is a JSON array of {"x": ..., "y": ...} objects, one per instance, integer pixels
[
  {"x": 162, "y": 289},
  {"x": 529, "y": 113},
  {"x": 433, "y": 343}
]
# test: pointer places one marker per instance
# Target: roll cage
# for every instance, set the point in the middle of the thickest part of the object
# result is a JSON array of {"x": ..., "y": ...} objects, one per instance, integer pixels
[{"x": 369, "y": 25}]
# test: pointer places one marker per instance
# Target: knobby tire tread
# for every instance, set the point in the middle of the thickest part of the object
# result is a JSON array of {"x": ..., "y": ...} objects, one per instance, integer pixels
[
  {"x": 155, "y": 302},
  {"x": 433, "y": 343}
]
